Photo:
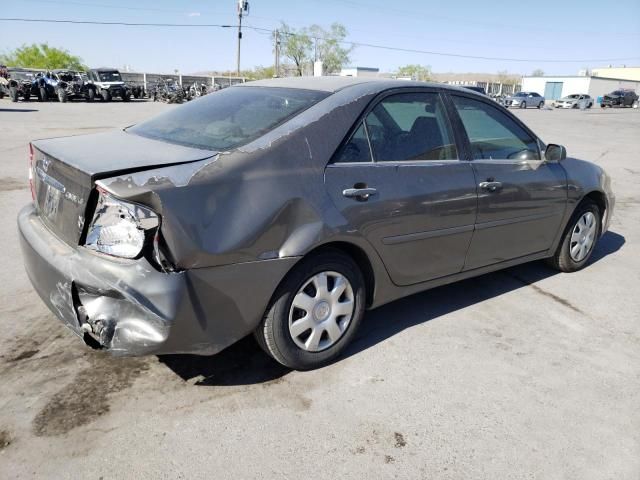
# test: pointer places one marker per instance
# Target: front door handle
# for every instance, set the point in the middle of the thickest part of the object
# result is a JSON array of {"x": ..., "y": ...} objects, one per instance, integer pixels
[
  {"x": 491, "y": 186},
  {"x": 361, "y": 194}
]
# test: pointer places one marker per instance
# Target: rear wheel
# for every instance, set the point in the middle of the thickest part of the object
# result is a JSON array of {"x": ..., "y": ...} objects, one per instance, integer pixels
[
  {"x": 635, "y": 104},
  {"x": 62, "y": 96},
  {"x": 315, "y": 311},
  {"x": 541, "y": 104},
  {"x": 126, "y": 96},
  {"x": 91, "y": 95},
  {"x": 523, "y": 105},
  {"x": 13, "y": 93},
  {"x": 579, "y": 239}
]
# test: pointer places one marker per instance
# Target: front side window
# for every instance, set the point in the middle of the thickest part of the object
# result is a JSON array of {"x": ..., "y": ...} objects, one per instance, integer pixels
[
  {"x": 230, "y": 118},
  {"x": 493, "y": 135},
  {"x": 410, "y": 127}
]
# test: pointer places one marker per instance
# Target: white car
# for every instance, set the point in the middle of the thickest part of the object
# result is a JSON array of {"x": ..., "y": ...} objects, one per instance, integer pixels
[{"x": 574, "y": 101}]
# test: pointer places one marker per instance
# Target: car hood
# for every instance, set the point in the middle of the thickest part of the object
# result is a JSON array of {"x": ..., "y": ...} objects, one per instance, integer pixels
[{"x": 103, "y": 154}]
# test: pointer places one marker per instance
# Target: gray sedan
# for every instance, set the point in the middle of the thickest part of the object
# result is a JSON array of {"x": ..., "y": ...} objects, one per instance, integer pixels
[
  {"x": 286, "y": 208},
  {"x": 524, "y": 100}
]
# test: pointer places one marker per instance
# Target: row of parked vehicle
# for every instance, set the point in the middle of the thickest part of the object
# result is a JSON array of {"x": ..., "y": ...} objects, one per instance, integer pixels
[
  {"x": 169, "y": 91},
  {"x": 64, "y": 85},
  {"x": 617, "y": 98}
]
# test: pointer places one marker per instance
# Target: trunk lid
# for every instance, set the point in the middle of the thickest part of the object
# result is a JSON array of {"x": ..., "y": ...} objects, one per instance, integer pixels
[{"x": 65, "y": 169}]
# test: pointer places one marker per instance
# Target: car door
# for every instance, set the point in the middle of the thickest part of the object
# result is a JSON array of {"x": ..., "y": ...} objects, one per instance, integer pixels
[
  {"x": 399, "y": 182},
  {"x": 521, "y": 198}
]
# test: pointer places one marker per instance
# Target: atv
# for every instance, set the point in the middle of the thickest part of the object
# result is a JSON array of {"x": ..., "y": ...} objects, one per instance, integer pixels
[
  {"x": 72, "y": 85},
  {"x": 108, "y": 84},
  {"x": 167, "y": 90},
  {"x": 20, "y": 83}
]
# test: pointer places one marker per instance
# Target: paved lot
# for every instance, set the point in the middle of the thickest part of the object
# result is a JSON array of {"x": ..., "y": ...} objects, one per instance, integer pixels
[{"x": 519, "y": 374}]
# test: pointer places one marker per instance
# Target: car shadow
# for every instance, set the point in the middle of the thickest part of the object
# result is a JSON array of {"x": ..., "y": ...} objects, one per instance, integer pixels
[
  {"x": 244, "y": 363},
  {"x": 18, "y": 110}
]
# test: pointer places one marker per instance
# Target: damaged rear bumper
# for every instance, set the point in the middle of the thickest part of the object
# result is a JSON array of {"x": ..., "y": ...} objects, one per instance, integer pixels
[{"x": 130, "y": 308}]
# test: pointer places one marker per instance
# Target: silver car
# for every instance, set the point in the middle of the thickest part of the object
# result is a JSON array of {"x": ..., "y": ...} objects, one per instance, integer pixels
[
  {"x": 577, "y": 100},
  {"x": 524, "y": 100}
]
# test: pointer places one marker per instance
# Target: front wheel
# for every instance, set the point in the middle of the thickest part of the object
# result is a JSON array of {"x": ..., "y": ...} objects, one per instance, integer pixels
[
  {"x": 579, "y": 239},
  {"x": 106, "y": 96},
  {"x": 315, "y": 311},
  {"x": 91, "y": 95},
  {"x": 62, "y": 96},
  {"x": 523, "y": 105},
  {"x": 634, "y": 104},
  {"x": 43, "y": 94},
  {"x": 13, "y": 93},
  {"x": 541, "y": 104}
]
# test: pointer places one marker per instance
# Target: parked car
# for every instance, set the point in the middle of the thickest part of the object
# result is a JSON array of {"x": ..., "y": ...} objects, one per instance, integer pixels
[
  {"x": 109, "y": 84},
  {"x": 620, "y": 98},
  {"x": 524, "y": 100},
  {"x": 574, "y": 101},
  {"x": 73, "y": 85},
  {"x": 287, "y": 207}
]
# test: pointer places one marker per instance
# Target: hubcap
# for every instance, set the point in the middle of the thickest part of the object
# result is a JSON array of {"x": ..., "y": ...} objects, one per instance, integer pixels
[
  {"x": 321, "y": 311},
  {"x": 583, "y": 237}
]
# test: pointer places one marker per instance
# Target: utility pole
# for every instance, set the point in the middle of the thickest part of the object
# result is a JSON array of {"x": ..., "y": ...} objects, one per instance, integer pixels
[
  {"x": 277, "y": 53},
  {"x": 243, "y": 9}
]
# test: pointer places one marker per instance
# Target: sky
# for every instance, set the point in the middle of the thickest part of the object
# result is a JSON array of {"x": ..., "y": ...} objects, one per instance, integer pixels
[{"x": 580, "y": 34}]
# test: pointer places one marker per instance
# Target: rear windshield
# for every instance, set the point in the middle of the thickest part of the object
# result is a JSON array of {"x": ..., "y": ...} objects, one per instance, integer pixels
[{"x": 229, "y": 118}]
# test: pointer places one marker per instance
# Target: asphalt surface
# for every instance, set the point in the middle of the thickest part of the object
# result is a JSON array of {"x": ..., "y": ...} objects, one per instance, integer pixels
[{"x": 524, "y": 373}]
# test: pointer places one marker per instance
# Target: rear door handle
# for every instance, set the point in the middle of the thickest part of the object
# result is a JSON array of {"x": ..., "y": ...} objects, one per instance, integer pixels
[
  {"x": 491, "y": 186},
  {"x": 359, "y": 193}
]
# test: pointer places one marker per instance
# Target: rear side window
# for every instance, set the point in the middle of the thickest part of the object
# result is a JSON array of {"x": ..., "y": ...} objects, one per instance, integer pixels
[
  {"x": 410, "y": 126},
  {"x": 356, "y": 149},
  {"x": 493, "y": 134},
  {"x": 229, "y": 118}
]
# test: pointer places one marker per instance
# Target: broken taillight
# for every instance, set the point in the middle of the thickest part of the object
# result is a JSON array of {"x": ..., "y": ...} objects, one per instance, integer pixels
[{"x": 32, "y": 186}]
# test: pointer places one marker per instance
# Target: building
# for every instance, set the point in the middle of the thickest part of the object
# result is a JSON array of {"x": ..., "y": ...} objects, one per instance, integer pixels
[
  {"x": 557, "y": 87},
  {"x": 625, "y": 73},
  {"x": 359, "y": 72}
]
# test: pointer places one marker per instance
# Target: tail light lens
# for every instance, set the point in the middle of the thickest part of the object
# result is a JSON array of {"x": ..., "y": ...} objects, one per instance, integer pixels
[
  {"x": 120, "y": 228},
  {"x": 32, "y": 186}
]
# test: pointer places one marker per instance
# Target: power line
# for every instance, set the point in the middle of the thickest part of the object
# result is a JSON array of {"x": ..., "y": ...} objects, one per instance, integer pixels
[{"x": 347, "y": 42}]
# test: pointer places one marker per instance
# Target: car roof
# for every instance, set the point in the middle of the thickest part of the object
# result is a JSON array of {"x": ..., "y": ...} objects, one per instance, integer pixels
[
  {"x": 104, "y": 69},
  {"x": 335, "y": 83}
]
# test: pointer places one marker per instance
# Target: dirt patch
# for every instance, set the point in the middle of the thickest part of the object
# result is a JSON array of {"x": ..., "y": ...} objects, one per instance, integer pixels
[
  {"x": 389, "y": 459},
  {"x": 8, "y": 184},
  {"x": 24, "y": 355},
  {"x": 5, "y": 439},
  {"x": 87, "y": 396},
  {"x": 400, "y": 441}
]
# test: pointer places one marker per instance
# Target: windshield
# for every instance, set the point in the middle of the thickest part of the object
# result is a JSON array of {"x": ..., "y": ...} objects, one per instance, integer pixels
[
  {"x": 521, "y": 94},
  {"x": 21, "y": 75},
  {"x": 109, "y": 76},
  {"x": 229, "y": 118}
]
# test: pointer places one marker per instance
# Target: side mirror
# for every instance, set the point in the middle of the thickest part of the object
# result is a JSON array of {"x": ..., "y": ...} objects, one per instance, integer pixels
[{"x": 555, "y": 153}]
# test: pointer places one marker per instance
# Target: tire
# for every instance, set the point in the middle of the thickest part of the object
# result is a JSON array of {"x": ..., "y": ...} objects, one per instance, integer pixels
[
  {"x": 13, "y": 93},
  {"x": 306, "y": 351},
  {"x": 634, "y": 104},
  {"x": 26, "y": 96},
  {"x": 523, "y": 105},
  {"x": 62, "y": 96},
  {"x": 126, "y": 97},
  {"x": 590, "y": 105},
  {"x": 91, "y": 95},
  {"x": 43, "y": 94},
  {"x": 106, "y": 96},
  {"x": 603, "y": 106},
  {"x": 567, "y": 260},
  {"x": 540, "y": 105}
]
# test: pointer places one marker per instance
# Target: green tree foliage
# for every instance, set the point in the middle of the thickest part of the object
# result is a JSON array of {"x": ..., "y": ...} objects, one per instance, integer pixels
[
  {"x": 42, "y": 56},
  {"x": 328, "y": 47},
  {"x": 416, "y": 72},
  {"x": 305, "y": 45}
]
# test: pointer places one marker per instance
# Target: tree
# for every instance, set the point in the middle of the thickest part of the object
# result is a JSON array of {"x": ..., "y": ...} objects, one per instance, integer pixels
[
  {"x": 504, "y": 77},
  {"x": 416, "y": 72},
  {"x": 42, "y": 56},
  {"x": 538, "y": 72},
  {"x": 328, "y": 47},
  {"x": 295, "y": 45}
]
